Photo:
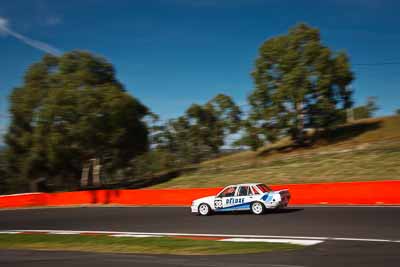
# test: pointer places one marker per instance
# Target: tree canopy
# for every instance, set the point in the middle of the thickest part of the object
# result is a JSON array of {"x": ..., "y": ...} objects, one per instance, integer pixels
[
  {"x": 201, "y": 132},
  {"x": 367, "y": 110},
  {"x": 299, "y": 84},
  {"x": 70, "y": 109}
]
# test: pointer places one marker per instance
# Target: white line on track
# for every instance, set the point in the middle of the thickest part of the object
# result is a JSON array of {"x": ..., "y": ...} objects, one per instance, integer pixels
[
  {"x": 207, "y": 235},
  {"x": 275, "y": 240},
  {"x": 130, "y": 235}
]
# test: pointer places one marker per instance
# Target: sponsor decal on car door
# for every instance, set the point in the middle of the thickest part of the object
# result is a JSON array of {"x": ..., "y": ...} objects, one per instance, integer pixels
[
  {"x": 240, "y": 201},
  {"x": 227, "y": 193}
]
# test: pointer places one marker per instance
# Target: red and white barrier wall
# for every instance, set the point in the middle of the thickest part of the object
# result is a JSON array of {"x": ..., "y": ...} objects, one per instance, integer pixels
[{"x": 346, "y": 193}]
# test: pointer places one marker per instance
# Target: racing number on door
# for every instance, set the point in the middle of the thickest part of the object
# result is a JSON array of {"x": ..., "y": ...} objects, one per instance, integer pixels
[{"x": 218, "y": 203}]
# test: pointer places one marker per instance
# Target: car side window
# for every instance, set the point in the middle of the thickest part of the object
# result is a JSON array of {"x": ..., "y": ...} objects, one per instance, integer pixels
[
  {"x": 263, "y": 188},
  {"x": 228, "y": 192},
  {"x": 254, "y": 190},
  {"x": 244, "y": 191}
]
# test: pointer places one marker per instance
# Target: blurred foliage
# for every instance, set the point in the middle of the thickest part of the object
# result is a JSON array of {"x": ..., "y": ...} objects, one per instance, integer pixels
[
  {"x": 299, "y": 84},
  {"x": 366, "y": 111},
  {"x": 398, "y": 111},
  {"x": 201, "y": 132},
  {"x": 252, "y": 136},
  {"x": 3, "y": 173},
  {"x": 70, "y": 109},
  {"x": 152, "y": 163}
]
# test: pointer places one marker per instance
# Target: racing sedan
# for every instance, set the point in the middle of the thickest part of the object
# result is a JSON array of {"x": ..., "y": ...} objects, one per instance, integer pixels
[{"x": 255, "y": 197}]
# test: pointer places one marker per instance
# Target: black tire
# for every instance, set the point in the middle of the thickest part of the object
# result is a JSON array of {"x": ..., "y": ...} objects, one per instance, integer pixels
[
  {"x": 204, "y": 209},
  {"x": 257, "y": 208}
]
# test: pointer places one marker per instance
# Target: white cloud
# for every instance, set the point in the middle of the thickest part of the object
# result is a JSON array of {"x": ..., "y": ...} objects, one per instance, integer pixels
[
  {"x": 3, "y": 25},
  {"x": 6, "y": 30}
]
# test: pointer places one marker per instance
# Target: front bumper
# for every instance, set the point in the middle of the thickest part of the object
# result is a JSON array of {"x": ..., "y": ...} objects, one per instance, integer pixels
[{"x": 194, "y": 209}]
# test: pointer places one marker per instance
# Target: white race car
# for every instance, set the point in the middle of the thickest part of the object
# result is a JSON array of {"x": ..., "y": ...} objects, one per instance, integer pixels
[{"x": 255, "y": 197}]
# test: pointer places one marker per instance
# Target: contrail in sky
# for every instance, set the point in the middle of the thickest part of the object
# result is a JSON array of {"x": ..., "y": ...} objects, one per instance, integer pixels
[{"x": 6, "y": 30}]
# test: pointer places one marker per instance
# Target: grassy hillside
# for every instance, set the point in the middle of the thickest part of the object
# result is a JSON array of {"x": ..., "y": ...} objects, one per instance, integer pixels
[{"x": 365, "y": 150}]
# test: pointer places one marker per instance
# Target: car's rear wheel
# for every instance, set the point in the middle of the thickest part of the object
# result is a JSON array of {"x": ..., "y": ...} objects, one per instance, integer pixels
[
  {"x": 204, "y": 209},
  {"x": 257, "y": 208}
]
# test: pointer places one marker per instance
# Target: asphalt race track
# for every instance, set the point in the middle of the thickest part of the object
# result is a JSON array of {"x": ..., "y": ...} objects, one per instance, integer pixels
[
  {"x": 354, "y": 222},
  {"x": 364, "y": 223}
]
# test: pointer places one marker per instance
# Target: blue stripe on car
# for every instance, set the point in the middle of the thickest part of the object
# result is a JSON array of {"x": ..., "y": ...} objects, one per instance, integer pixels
[
  {"x": 235, "y": 207},
  {"x": 267, "y": 197}
]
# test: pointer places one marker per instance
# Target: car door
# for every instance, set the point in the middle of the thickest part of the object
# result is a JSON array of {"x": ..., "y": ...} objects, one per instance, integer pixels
[
  {"x": 238, "y": 201},
  {"x": 229, "y": 199},
  {"x": 245, "y": 196},
  {"x": 222, "y": 198}
]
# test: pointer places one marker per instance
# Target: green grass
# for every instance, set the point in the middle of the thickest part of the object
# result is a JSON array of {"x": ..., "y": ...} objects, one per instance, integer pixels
[
  {"x": 148, "y": 245},
  {"x": 363, "y": 151}
]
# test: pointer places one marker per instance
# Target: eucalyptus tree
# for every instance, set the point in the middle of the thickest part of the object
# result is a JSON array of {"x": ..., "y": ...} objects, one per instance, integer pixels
[
  {"x": 299, "y": 83},
  {"x": 68, "y": 110}
]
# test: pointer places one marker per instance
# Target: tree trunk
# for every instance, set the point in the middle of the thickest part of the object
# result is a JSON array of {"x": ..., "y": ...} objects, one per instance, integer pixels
[
  {"x": 96, "y": 172},
  {"x": 91, "y": 173},
  {"x": 299, "y": 123},
  {"x": 85, "y": 174}
]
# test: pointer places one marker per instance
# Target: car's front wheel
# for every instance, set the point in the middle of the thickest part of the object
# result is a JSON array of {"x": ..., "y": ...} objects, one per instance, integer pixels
[
  {"x": 204, "y": 209},
  {"x": 257, "y": 208}
]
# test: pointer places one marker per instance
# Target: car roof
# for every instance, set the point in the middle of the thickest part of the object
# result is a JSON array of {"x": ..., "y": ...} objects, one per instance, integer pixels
[{"x": 248, "y": 184}]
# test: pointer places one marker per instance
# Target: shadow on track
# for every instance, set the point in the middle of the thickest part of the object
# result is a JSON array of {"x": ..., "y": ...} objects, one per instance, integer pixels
[
  {"x": 287, "y": 210},
  {"x": 267, "y": 212}
]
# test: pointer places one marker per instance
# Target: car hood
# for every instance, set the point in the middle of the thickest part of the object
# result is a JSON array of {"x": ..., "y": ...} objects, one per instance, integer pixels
[{"x": 205, "y": 199}]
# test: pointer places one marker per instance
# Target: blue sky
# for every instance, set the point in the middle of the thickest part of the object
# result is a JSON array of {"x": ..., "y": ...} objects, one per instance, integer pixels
[{"x": 171, "y": 53}]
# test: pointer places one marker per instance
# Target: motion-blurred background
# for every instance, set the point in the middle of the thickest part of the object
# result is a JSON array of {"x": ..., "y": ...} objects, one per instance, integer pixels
[{"x": 197, "y": 93}]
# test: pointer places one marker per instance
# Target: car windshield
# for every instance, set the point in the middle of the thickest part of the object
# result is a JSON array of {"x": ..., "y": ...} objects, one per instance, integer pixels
[
  {"x": 263, "y": 188},
  {"x": 228, "y": 192}
]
